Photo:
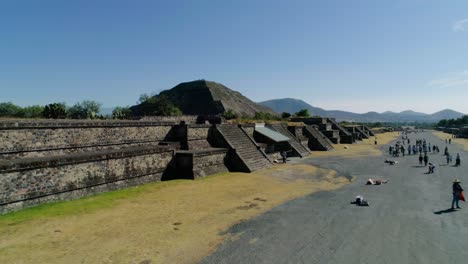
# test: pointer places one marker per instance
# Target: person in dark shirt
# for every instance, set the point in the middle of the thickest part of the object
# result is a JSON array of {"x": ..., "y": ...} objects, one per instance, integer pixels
[{"x": 456, "y": 192}]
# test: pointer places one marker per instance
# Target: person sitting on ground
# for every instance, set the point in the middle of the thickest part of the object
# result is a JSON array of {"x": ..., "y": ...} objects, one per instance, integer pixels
[
  {"x": 375, "y": 181},
  {"x": 359, "y": 201},
  {"x": 431, "y": 168}
]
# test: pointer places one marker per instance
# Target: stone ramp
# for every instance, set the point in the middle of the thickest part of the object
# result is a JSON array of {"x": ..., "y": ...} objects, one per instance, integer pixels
[
  {"x": 366, "y": 128},
  {"x": 364, "y": 134},
  {"x": 293, "y": 142},
  {"x": 343, "y": 131},
  {"x": 319, "y": 140},
  {"x": 245, "y": 148}
]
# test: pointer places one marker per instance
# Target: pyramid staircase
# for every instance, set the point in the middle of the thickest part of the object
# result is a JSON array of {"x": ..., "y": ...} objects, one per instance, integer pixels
[
  {"x": 345, "y": 136},
  {"x": 364, "y": 134},
  {"x": 245, "y": 147},
  {"x": 293, "y": 142},
  {"x": 320, "y": 141},
  {"x": 366, "y": 128}
]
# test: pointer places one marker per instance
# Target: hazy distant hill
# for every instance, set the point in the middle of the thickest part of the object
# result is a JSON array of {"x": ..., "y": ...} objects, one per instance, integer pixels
[
  {"x": 291, "y": 105},
  {"x": 211, "y": 98}
]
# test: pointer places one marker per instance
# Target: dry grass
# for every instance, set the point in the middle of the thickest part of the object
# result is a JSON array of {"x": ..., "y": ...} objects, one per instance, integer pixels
[
  {"x": 361, "y": 148},
  {"x": 461, "y": 141},
  {"x": 168, "y": 222}
]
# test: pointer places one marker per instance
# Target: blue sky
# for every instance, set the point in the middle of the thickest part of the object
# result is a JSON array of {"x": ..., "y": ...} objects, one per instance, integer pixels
[{"x": 349, "y": 55}]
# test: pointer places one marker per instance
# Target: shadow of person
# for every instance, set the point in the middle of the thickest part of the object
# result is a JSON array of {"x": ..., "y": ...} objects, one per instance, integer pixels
[
  {"x": 418, "y": 166},
  {"x": 446, "y": 211}
]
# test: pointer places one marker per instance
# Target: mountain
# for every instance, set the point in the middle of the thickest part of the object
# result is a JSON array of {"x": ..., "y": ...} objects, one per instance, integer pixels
[
  {"x": 210, "y": 98},
  {"x": 291, "y": 105}
]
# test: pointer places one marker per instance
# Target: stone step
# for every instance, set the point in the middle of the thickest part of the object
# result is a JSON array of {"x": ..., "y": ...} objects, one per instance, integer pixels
[
  {"x": 293, "y": 142},
  {"x": 246, "y": 149},
  {"x": 319, "y": 137}
]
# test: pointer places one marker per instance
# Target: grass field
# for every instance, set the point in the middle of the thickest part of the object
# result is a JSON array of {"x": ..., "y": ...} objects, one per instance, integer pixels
[{"x": 167, "y": 222}]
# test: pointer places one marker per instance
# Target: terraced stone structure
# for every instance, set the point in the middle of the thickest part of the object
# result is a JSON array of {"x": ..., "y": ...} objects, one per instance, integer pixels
[{"x": 54, "y": 160}]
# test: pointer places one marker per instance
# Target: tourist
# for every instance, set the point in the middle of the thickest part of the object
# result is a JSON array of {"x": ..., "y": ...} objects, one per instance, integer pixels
[
  {"x": 457, "y": 160},
  {"x": 456, "y": 192},
  {"x": 431, "y": 168},
  {"x": 447, "y": 157},
  {"x": 420, "y": 159},
  {"x": 375, "y": 181},
  {"x": 450, "y": 141},
  {"x": 426, "y": 160},
  {"x": 283, "y": 155},
  {"x": 446, "y": 151}
]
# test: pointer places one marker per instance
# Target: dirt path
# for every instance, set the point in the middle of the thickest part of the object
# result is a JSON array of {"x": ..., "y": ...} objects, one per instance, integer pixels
[
  {"x": 168, "y": 222},
  {"x": 407, "y": 221}
]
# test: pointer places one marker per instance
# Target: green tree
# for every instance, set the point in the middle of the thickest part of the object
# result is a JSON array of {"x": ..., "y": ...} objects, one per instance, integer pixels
[
  {"x": 33, "y": 111},
  {"x": 55, "y": 110},
  {"x": 87, "y": 109},
  {"x": 8, "y": 109},
  {"x": 303, "y": 113},
  {"x": 229, "y": 114},
  {"x": 122, "y": 113},
  {"x": 285, "y": 115},
  {"x": 157, "y": 106},
  {"x": 264, "y": 116}
]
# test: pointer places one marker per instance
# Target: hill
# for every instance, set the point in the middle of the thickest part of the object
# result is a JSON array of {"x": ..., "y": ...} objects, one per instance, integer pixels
[
  {"x": 291, "y": 105},
  {"x": 210, "y": 98}
]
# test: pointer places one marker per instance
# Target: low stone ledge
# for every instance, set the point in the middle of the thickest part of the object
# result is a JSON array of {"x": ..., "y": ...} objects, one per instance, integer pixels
[
  {"x": 51, "y": 124},
  {"x": 54, "y": 161}
]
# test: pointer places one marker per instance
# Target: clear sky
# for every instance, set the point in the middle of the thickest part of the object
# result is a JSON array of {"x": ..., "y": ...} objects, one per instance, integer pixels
[{"x": 360, "y": 55}]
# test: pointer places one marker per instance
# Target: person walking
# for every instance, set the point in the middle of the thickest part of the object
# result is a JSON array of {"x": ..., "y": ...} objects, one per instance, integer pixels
[
  {"x": 420, "y": 159},
  {"x": 456, "y": 193},
  {"x": 457, "y": 160},
  {"x": 426, "y": 160},
  {"x": 447, "y": 157}
]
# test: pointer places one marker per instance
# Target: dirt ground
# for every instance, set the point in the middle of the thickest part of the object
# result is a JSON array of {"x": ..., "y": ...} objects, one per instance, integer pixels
[
  {"x": 365, "y": 147},
  {"x": 461, "y": 141},
  {"x": 167, "y": 222}
]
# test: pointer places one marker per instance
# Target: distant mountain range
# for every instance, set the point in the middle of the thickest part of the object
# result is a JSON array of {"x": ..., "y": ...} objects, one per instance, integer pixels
[{"x": 291, "y": 105}]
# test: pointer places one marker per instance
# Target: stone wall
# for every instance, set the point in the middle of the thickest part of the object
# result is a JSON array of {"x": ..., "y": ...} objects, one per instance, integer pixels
[
  {"x": 197, "y": 137},
  {"x": 192, "y": 164},
  {"x": 27, "y": 139},
  {"x": 31, "y": 181}
]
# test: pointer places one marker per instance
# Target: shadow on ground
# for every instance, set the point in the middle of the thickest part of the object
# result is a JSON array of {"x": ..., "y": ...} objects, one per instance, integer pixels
[{"x": 446, "y": 211}]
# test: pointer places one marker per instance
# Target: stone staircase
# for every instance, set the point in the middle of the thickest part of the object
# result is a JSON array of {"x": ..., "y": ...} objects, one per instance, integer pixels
[
  {"x": 343, "y": 131},
  {"x": 321, "y": 142},
  {"x": 364, "y": 134},
  {"x": 294, "y": 142},
  {"x": 244, "y": 146},
  {"x": 366, "y": 128}
]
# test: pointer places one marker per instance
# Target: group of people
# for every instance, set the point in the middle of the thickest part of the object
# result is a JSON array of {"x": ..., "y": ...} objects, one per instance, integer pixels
[{"x": 422, "y": 147}]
